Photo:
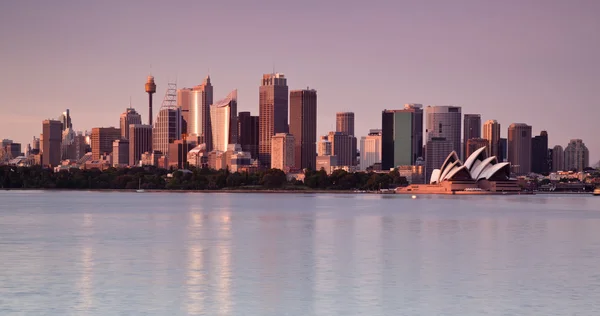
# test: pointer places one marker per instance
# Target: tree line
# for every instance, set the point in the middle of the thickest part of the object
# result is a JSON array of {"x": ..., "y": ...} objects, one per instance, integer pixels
[{"x": 152, "y": 178}]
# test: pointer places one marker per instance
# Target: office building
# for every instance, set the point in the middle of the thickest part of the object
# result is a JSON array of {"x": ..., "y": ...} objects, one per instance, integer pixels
[
  {"x": 102, "y": 141},
  {"x": 558, "y": 158},
  {"x": 475, "y": 143},
  {"x": 324, "y": 146},
  {"x": 402, "y": 136},
  {"x": 273, "y": 113},
  {"x": 65, "y": 119},
  {"x": 303, "y": 126},
  {"x": 343, "y": 146},
  {"x": 503, "y": 150},
  {"x": 539, "y": 153},
  {"x": 198, "y": 121},
  {"x": 184, "y": 103},
  {"x": 223, "y": 117},
  {"x": 519, "y": 148},
  {"x": 167, "y": 129},
  {"x": 344, "y": 123},
  {"x": 577, "y": 156},
  {"x": 327, "y": 163},
  {"x": 436, "y": 152},
  {"x": 120, "y": 153},
  {"x": 370, "y": 149},
  {"x": 248, "y": 133},
  {"x": 130, "y": 116},
  {"x": 282, "y": 152},
  {"x": 491, "y": 132},
  {"x": 140, "y": 141},
  {"x": 178, "y": 152},
  {"x": 445, "y": 122},
  {"x": 472, "y": 129},
  {"x": 68, "y": 146},
  {"x": 51, "y": 143}
]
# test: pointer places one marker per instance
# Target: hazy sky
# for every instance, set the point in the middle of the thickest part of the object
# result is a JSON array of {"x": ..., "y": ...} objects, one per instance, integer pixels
[{"x": 536, "y": 62}]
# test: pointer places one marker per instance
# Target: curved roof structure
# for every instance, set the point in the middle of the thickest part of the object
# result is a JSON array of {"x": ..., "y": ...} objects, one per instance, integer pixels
[
  {"x": 477, "y": 167},
  {"x": 482, "y": 166},
  {"x": 479, "y": 154},
  {"x": 435, "y": 174}
]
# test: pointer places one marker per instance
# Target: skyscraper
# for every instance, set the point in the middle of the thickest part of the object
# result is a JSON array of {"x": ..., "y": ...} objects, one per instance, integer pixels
[
  {"x": 445, "y": 122},
  {"x": 558, "y": 158},
  {"x": 223, "y": 117},
  {"x": 344, "y": 123},
  {"x": 324, "y": 146},
  {"x": 343, "y": 146},
  {"x": 402, "y": 136},
  {"x": 120, "y": 153},
  {"x": 491, "y": 132},
  {"x": 102, "y": 140},
  {"x": 65, "y": 119},
  {"x": 184, "y": 102},
  {"x": 199, "y": 124},
  {"x": 166, "y": 129},
  {"x": 52, "y": 138},
  {"x": 475, "y": 143},
  {"x": 438, "y": 148},
  {"x": 303, "y": 126},
  {"x": 130, "y": 116},
  {"x": 370, "y": 149},
  {"x": 502, "y": 150},
  {"x": 519, "y": 148},
  {"x": 539, "y": 153},
  {"x": 273, "y": 113},
  {"x": 140, "y": 141},
  {"x": 248, "y": 133},
  {"x": 472, "y": 129},
  {"x": 577, "y": 156},
  {"x": 282, "y": 151}
]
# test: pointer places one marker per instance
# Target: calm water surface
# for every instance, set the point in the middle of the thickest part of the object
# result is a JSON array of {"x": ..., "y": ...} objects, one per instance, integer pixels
[{"x": 90, "y": 253}]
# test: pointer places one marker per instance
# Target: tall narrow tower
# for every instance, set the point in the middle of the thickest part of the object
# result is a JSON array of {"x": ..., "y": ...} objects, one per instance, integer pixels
[{"x": 150, "y": 89}]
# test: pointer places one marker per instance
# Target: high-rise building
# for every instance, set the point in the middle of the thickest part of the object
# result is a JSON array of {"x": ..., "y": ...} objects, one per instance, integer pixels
[
  {"x": 303, "y": 125},
  {"x": 199, "y": 124},
  {"x": 68, "y": 145},
  {"x": 178, "y": 152},
  {"x": 65, "y": 119},
  {"x": 167, "y": 129},
  {"x": 370, "y": 149},
  {"x": 539, "y": 153},
  {"x": 35, "y": 144},
  {"x": 344, "y": 147},
  {"x": 444, "y": 122},
  {"x": 577, "y": 156},
  {"x": 273, "y": 113},
  {"x": 130, "y": 116},
  {"x": 503, "y": 150},
  {"x": 558, "y": 158},
  {"x": 519, "y": 148},
  {"x": 102, "y": 140},
  {"x": 140, "y": 141},
  {"x": 51, "y": 144},
  {"x": 402, "y": 136},
  {"x": 184, "y": 102},
  {"x": 248, "y": 133},
  {"x": 11, "y": 149},
  {"x": 491, "y": 132},
  {"x": 438, "y": 148},
  {"x": 344, "y": 123},
  {"x": 472, "y": 129},
  {"x": 282, "y": 152},
  {"x": 120, "y": 153},
  {"x": 223, "y": 117},
  {"x": 324, "y": 146},
  {"x": 475, "y": 143}
]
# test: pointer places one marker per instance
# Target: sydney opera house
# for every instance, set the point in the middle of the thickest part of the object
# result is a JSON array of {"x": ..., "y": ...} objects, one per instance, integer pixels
[{"x": 478, "y": 174}]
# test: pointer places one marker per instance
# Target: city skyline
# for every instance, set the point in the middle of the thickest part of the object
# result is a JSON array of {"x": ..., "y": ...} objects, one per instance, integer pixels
[{"x": 503, "y": 71}]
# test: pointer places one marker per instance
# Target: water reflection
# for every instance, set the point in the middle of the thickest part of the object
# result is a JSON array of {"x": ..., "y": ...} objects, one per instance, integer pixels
[
  {"x": 223, "y": 263},
  {"x": 196, "y": 276},
  {"x": 85, "y": 283}
]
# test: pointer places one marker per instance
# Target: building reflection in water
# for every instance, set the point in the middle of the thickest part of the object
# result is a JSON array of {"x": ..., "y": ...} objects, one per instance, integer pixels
[
  {"x": 223, "y": 263},
  {"x": 85, "y": 284},
  {"x": 196, "y": 274}
]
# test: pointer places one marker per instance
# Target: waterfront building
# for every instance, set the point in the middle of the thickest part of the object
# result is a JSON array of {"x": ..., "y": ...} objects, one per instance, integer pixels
[
  {"x": 343, "y": 146},
  {"x": 303, "y": 126},
  {"x": 472, "y": 129},
  {"x": 558, "y": 159},
  {"x": 402, "y": 136},
  {"x": 436, "y": 151},
  {"x": 577, "y": 156},
  {"x": 167, "y": 129},
  {"x": 519, "y": 148},
  {"x": 130, "y": 116},
  {"x": 273, "y": 113},
  {"x": 327, "y": 163},
  {"x": 282, "y": 155},
  {"x": 539, "y": 153},
  {"x": 370, "y": 149},
  {"x": 414, "y": 174},
  {"x": 102, "y": 141},
  {"x": 248, "y": 133},
  {"x": 120, "y": 153},
  {"x": 51, "y": 143},
  {"x": 344, "y": 123},
  {"x": 491, "y": 132},
  {"x": 140, "y": 141},
  {"x": 198, "y": 121},
  {"x": 223, "y": 117},
  {"x": 474, "y": 144}
]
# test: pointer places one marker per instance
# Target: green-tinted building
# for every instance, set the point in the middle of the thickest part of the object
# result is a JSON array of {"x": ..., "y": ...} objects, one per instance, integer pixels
[{"x": 402, "y": 136}]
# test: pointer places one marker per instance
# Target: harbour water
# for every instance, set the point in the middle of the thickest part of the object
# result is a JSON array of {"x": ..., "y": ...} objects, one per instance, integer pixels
[{"x": 114, "y": 253}]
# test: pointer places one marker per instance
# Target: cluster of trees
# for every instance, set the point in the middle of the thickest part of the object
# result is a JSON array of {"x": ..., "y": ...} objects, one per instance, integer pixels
[{"x": 150, "y": 178}]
